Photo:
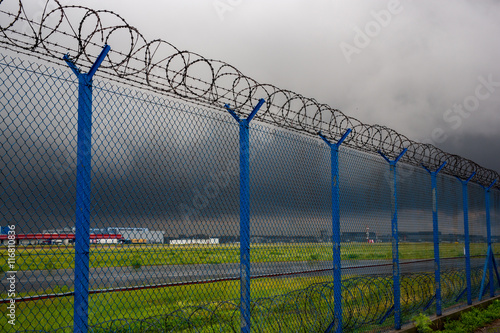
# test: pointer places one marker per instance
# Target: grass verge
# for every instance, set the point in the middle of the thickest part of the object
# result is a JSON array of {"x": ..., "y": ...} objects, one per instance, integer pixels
[{"x": 475, "y": 318}]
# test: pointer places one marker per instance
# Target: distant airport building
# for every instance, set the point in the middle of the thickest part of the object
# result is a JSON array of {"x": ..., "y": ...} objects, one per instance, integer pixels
[
  {"x": 188, "y": 241},
  {"x": 110, "y": 235},
  {"x": 62, "y": 239},
  {"x": 131, "y": 235},
  {"x": 134, "y": 235}
]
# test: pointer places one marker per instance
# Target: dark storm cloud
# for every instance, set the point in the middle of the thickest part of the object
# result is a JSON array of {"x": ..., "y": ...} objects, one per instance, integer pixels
[{"x": 475, "y": 146}]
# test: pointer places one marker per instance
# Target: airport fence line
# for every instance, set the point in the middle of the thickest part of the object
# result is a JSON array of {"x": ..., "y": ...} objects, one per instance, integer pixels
[{"x": 180, "y": 218}]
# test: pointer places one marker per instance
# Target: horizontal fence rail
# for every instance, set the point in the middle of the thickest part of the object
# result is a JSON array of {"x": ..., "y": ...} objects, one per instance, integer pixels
[{"x": 131, "y": 200}]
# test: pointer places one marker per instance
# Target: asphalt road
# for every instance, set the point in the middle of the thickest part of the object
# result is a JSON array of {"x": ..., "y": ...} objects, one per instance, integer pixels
[{"x": 116, "y": 277}]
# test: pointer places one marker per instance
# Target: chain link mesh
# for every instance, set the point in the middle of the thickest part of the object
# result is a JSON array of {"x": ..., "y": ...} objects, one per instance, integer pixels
[{"x": 165, "y": 234}]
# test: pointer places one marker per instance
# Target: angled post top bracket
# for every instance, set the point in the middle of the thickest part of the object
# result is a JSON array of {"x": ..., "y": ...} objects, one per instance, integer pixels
[
  {"x": 434, "y": 172},
  {"x": 466, "y": 181},
  {"x": 94, "y": 67},
  {"x": 335, "y": 145},
  {"x": 487, "y": 188},
  {"x": 397, "y": 158},
  {"x": 250, "y": 117}
]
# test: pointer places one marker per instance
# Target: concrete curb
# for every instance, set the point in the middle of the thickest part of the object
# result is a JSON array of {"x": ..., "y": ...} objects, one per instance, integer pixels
[{"x": 438, "y": 322}]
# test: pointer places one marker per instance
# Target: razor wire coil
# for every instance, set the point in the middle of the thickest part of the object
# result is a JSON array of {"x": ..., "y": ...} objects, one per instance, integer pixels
[{"x": 366, "y": 301}]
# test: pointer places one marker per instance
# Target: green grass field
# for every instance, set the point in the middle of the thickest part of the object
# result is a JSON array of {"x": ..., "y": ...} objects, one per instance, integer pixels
[
  {"x": 53, "y": 313},
  {"x": 58, "y": 312},
  {"x": 57, "y": 257},
  {"x": 302, "y": 304}
]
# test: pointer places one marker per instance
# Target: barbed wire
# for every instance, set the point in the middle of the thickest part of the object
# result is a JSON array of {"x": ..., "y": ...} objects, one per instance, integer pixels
[
  {"x": 160, "y": 66},
  {"x": 366, "y": 300}
]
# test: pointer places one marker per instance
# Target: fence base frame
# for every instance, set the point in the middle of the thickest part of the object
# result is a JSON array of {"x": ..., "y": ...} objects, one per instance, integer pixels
[
  {"x": 428, "y": 305},
  {"x": 386, "y": 315},
  {"x": 462, "y": 294},
  {"x": 491, "y": 266}
]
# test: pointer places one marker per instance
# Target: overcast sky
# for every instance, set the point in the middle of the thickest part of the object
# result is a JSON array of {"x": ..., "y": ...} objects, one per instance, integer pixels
[{"x": 402, "y": 64}]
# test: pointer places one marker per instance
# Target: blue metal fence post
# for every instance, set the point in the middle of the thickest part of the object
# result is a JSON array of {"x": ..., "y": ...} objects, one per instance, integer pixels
[
  {"x": 395, "y": 240},
  {"x": 465, "y": 204},
  {"x": 490, "y": 258},
  {"x": 337, "y": 265},
  {"x": 83, "y": 174},
  {"x": 245, "y": 214},
  {"x": 435, "y": 228},
  {"x": 488, "y": 227}
]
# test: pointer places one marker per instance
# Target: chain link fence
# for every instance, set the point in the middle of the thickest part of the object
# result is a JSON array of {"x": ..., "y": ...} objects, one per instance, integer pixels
[{"x": 165, "y": 237}]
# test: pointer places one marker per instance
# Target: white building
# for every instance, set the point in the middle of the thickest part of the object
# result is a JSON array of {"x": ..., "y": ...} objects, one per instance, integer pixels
[{"x": 208, "y": 241}]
